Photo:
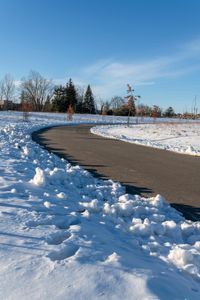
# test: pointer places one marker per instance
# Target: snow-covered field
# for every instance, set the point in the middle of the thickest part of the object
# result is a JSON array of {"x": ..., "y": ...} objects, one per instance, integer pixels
[
  {"x": 182, "y": 138},
  {"x": 67, "y": 235}
]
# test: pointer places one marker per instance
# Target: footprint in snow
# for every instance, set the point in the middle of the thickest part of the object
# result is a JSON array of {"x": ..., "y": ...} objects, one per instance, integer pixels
[
  {"x": 59, "y": 222},
  {"x": 65, "y": 223},
  {"x": 65, "y": 252},
  {"x": 57, "y": 237}
]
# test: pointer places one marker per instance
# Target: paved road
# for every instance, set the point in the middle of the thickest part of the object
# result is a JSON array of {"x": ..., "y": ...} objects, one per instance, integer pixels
[{"x": 143, "y": 170}]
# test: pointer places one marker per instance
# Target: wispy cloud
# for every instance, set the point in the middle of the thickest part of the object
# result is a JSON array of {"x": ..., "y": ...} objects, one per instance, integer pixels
[{"x": 109, "y": 77}]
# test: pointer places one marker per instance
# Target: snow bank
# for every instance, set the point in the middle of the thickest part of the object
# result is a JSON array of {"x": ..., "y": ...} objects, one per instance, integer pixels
[
  {"x": 182, "y": 138},
  {"x": 68, "y": 235}
]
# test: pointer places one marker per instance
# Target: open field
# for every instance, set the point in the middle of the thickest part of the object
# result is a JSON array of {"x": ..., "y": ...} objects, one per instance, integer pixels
[{"x": 181, "y": 137}]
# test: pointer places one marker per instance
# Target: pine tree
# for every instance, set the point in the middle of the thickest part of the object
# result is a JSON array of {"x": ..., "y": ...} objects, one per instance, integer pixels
[
  {"x": 59, "y": 102},
  {"x": 80, "y": 98},
  {"x": 169, "y": 112},
  {"x": 71, "y": 95},
  {"x": 88, "y": 102},
  {"x": 64, "y": 97},
  {"x": 79, "y": 105}
]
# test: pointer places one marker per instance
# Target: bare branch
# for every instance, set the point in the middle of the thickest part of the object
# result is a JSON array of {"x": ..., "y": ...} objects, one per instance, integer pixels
[
  {"x": 7, "y": 88},
  {"x": 35, "y": 90}
]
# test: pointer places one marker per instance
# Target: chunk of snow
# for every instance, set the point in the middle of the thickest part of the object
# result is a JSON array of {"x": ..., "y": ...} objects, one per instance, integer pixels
[
  {"x": 47, "y": 204},
  {"x": 61, "y": 195},
  {"x": 112, "y": 258},
  {"x": 185, "y": 259},
  {"x": 39, "y": 178},
  {"x": 91, "y": 206}
]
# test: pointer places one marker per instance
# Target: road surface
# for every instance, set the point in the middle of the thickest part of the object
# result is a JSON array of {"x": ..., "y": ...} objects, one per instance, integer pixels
[{"x": 142, "y": 170}]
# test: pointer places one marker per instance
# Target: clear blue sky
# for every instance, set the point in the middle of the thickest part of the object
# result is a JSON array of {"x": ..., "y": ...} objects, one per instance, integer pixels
[{"x": 152, "y": 44}]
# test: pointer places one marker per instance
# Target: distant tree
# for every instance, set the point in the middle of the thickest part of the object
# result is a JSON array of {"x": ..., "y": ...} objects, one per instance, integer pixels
[
  {"x": 80, "y": 99},
  {"x": 35, "y": 89},
  {"x": 88, "y": 102},
  {"x": 131, "y": 106},
  {"x": 131, "y": 103},
  {"x": 47, "y": 104},
  {"x": 122, "y": 111},
  {"x": 25, "y": 107},
  {"x": 64, "y": 96},
  {"x": 106, "y": 108},
  {"x": 143, "y": 110},
  {"x": 101, "y": 106},
  {"x": 7, "y": 89},
  {"x": 116, "y": 102},
  {"x": 169, "y": 112},
  {"x": 59, "y": 101},
  {"x": 156, "y": 112},
  {"x": 71, "y": 95},
  {"x": 70, "y": 112}
]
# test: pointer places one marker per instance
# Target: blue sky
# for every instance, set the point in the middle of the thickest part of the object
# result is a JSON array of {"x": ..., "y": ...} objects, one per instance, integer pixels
[{"x": 152, "y": 44}]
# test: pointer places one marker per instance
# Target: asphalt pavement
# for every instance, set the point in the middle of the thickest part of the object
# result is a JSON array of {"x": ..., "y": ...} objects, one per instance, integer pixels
[{"x": 142, "y": 170}]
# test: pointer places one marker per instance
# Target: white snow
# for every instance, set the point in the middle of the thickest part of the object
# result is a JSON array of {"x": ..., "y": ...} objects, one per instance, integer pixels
[
  {"x": 39, "y": 178},
  {"x": 67, "y": 235},
  {"x": 178, "y": 137}
]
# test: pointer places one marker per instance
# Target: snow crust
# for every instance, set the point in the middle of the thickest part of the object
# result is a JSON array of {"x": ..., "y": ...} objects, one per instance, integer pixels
[
  {"x": 67, "y": 235},
  {"x": 173, "y": 136}
]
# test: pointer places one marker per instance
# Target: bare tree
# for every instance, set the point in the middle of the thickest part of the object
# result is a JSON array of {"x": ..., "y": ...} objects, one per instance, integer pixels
[
  {"x": 116, "y": 102},
  {"x": 106, "y": 108},
  {"x": 35, "y": 90},
  {"x": 131, "y": 103},
  {"x": 194, "y": 108},
  {"x": 7, "y": 89}
]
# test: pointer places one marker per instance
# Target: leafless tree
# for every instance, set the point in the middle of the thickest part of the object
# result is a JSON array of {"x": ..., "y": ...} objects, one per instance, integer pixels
[
  {"x": 194, "y": 108},
  {"x": 7, "y": 89},
  {"x": 35, "y": 90},
  {"x": 106, "y": 108},
  {"x": 117, "y": 102}
]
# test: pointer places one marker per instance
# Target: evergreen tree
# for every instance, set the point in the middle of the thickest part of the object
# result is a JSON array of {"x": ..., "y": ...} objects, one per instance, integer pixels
[
  {"x": 80, "y": 98},
  {"x": 88, "y": 102},
  {"x": 59, "y": 102},
  {"x": 79, "y": 105},
  {"x": 169, "y": 112},
  {"x": 71, "y": 95},
  {"x": 64, "y": 97}
]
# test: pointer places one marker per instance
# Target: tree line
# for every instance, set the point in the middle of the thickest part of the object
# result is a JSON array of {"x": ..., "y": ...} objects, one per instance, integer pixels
[
  {"x": 117, "y": 106},
  {"x": 36, "y": 93}
]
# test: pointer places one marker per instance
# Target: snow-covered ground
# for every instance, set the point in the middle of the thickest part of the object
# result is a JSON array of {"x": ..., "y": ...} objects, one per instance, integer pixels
[
  {"x": 67, "y": 235},
  {"x": 181, "y": 138}
]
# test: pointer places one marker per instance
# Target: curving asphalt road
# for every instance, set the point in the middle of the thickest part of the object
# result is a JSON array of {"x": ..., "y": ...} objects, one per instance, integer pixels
[{"x": 142, "y": 170}]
